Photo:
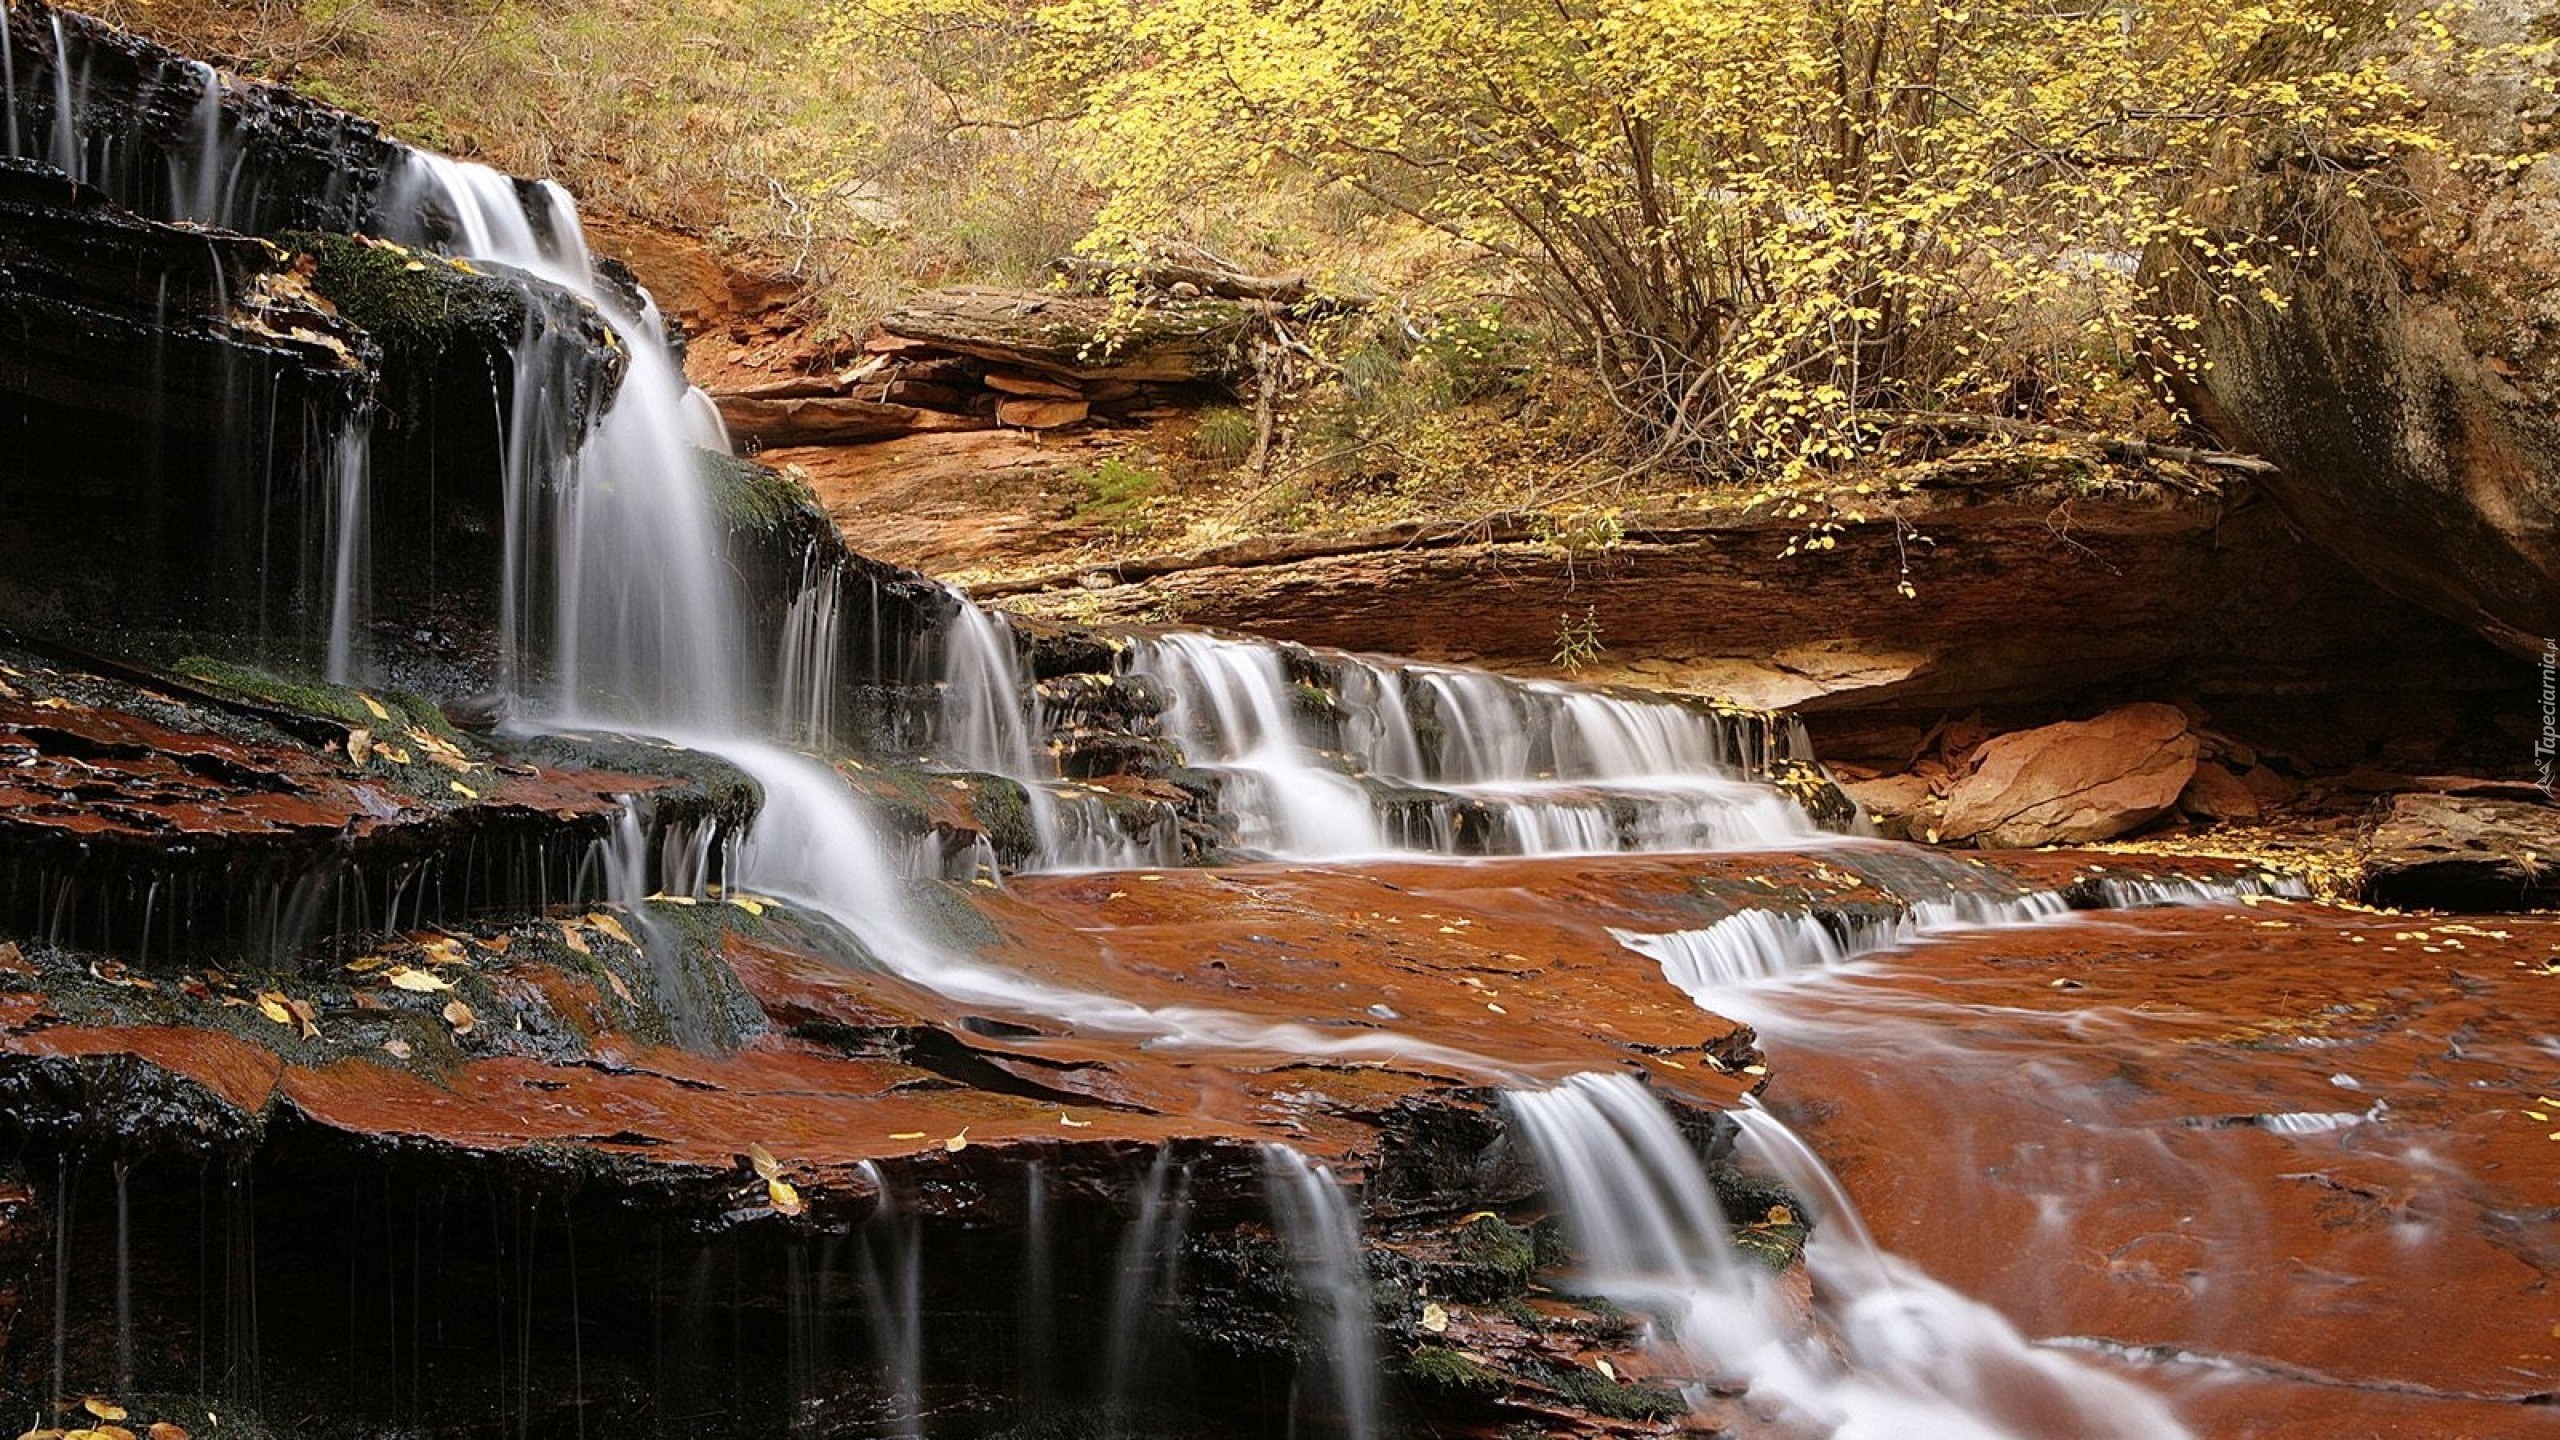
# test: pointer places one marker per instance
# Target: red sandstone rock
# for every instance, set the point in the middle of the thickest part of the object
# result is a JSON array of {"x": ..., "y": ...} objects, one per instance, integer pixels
[
  {"x": 2074, "y": 782},
  {"x": 2217, "y": 794},
  {"x": 1039, "y": 414}
]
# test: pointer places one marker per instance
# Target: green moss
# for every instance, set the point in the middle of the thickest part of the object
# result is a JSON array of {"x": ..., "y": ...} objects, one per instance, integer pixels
[
  {"x": 418, "y": 303},
  {"x": 750, "y": 496},
  {"x": 1003, "y": 810},
  {"x": 1590, "y": 1390},
  {"x": 319, "y": 697},
  {"x": 1769, "y": 1222},
  {"x": 1497, "y": 1257},
  {"x": 1438, "y": 1367}
]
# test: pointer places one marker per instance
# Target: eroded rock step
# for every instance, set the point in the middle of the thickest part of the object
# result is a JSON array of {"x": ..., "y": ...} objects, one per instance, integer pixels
[{"x": 1003, "y": 1160}]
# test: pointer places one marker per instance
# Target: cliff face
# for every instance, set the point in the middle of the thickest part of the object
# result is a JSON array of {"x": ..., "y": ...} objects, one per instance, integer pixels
[{"x": 2410, "y": 387}]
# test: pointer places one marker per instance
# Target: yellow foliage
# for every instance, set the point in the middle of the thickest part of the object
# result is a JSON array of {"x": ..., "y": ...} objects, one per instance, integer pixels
[{"x": 1769, "y": 221}]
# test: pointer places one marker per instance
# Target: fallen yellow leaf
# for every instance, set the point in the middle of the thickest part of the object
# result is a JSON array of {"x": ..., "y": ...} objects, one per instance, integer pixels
[
  {"x": 786, "y": 1200},
  {"x": 959, "y": 1142},
  {"x": 376, "y": 706},
  {"x": 459, "y": 1016},
  {"x": 271, "y": 1004},
  {"x": 1434, "y": 1318},
  {"x": 417, "y": 980},
  {"x": 766, "y": 1167}
]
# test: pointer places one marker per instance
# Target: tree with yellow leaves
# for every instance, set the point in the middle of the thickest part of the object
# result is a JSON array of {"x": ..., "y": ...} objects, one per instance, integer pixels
[{"x": 1770, "y": 224}]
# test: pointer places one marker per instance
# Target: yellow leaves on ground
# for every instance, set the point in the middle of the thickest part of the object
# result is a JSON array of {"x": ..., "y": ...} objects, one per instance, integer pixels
[
  {"x": 784, "y": 1197},
  {"x": 287, "y": 1011},
  {"x": 1435, "y": 1317},
  {"x": 106, "y": 1419},
  {"x": 418, "y": 981}
]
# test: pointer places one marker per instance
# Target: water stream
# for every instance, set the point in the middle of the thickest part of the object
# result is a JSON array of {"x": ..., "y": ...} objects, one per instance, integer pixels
[{"x": 620, "y": 613}]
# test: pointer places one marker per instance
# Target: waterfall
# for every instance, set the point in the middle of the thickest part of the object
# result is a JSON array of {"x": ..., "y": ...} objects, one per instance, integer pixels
[
  {"x": 1757, "y": 946},
  {"x": 1146, "y": 1273},
  {"x": 349, "y": 486},
  {"x": 1893, "y": 1355},
  {"x": 1422, "y": 760},
  {"x": 1322, "y": 1233},
  {"x": 1231, "y": 710},
  {"x": 988, "y": 720},
  {"x": 805, "y": 670},
  {"x": 2124, "y": 892}
]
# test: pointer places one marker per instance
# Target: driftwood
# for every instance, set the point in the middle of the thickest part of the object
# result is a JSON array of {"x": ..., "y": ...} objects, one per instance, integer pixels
[{"x": 1075, "y": 337}]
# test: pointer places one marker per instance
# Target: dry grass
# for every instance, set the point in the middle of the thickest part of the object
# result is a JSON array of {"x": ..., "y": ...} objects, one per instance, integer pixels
[{"x": 732, "y": 119}]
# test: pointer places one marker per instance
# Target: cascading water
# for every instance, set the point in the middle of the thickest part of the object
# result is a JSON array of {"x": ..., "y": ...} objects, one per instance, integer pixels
[
  {"x": 1752, "y": 947},
  {"x": 619, "y": 612},
  {"x": 1421, "y": 760},
  {"x": 987, "y": 722},
  {"x": 1322, "y": 1232},
  {"x": 805, "y": 670},
  {"x": 1893, "y": 1356}
]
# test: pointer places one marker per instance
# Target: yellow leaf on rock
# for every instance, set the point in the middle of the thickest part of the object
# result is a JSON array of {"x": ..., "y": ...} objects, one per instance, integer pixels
[
  {"x": 418, "y": 980},
  {"x": 359, "y": 741},
  {"x": 786, "y": 1200},
  {"x": 570, "y": 937},
  {"x": 271, "y": 1004},
  {"x": 104, "y": 1409},
  {"x": 459, "y": 1016},
  {"x": 380, "y": 712},
  {"x": 610, "y": 926},
  {"x": 959, "y": 1142},
  {"x": 1607, "y": 1370},
  {"x": 1434, "y": 1318},
  {"x": 1074, "y": 1124},
  {"x": 908, "y": 1135},
  {"x": 766, "y": 1167}
]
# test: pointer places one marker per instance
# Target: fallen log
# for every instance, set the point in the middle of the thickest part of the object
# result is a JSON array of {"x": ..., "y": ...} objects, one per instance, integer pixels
[
  {"x": 1206, "y": 279},
  {"x": 1075, "y": 337}
]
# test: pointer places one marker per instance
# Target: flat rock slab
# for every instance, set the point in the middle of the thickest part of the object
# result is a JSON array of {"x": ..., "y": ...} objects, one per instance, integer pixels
[{"x": 2463, "y": 852}]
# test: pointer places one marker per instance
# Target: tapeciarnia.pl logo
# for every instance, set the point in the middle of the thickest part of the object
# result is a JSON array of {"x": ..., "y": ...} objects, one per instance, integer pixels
[{"x": 2546, "y": 746}]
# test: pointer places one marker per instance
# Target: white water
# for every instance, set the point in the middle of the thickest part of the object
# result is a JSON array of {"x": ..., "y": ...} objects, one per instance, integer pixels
[
  {"x": 1496, "y": 766},
  {"x": 620, "y": 612},
  {"x": 1894, "y": 1357},
  {"x": 805, "y": 668},
  {"x": 988, "y": 722},
  {"x": 1322, "y": 1233},
  {"x": 1750, "y": 949},
  {"x": 350, "y": 485}
]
